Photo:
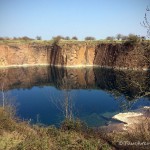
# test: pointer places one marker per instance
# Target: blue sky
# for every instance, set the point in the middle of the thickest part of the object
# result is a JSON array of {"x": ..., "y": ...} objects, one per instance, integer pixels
[{"x": 81, "y": 18}]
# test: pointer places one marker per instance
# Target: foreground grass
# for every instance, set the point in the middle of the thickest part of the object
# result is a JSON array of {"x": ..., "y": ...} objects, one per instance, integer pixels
[
  {"x": 72, "y": 135},
  {"x": 17, "y": 135}
]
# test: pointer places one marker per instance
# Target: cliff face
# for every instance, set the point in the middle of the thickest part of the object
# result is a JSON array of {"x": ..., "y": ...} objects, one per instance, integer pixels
[
  {"x": 23, "y": 54},
  {"x": 122, "y": 56},
  {"x": 77, "y": 54}
]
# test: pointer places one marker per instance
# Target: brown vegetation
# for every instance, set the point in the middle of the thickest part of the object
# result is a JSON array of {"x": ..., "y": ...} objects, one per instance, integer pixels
[{"x": 17, "y": 135}]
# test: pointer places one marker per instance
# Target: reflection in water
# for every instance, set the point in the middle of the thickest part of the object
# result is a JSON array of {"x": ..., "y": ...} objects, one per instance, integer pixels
[
  {"x": 131, "y": 84},
  {"x": 92, "y": 94},
  {"x": 64, "y": 102}
]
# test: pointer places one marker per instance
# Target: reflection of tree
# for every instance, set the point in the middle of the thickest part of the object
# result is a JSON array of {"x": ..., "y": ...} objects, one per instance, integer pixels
[
  {"x": 130, "y": 87},
  {"x": 67, "y": 105},
  {"x": 142, "y": 92},
  {"x": 3, "y": 95},
  {"x": 2, "y": 86},
  {"x": 124, "y": 104},
  {"x": 5, "y": 98},
  {"x": 132, "y": 84},
  {"x": 64, "y": 100}
]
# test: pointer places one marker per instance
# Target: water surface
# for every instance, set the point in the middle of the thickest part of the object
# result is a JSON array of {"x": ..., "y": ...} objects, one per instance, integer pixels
[{"x": 47, "y": 95}]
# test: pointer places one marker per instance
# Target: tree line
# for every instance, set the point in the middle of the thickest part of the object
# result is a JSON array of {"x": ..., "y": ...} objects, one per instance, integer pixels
[{"x": 118, "y": 37}]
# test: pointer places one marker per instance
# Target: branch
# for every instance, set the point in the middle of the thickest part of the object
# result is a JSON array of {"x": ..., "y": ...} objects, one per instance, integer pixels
[{"x": 146, "y": 23}]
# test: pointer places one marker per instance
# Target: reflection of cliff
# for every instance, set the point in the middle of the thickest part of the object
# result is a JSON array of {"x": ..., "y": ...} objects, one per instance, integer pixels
[
  {"x": 112, "y": 55},
  {"x": 130, "y": 83}
]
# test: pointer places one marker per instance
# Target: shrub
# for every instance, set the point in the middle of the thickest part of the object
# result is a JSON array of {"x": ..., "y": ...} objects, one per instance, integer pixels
[
  {"x": 58, "y": 37},
  {"x": 67, "y": 38},
  {"x": 75, "y": 125},
  {"x": 132, "y": 40},
  {"x": 110, "y": 38},
  {"x": 124, "y": 37},
  {"x": 89, "y": 38},
  {"x": 7, "y": 119},
  {"x": 5, "y": 38},
  {"x": 53, "y": 131},
  {"x": 25, "y": 38},
  {"x": 56, "y": 41},
  {"x": 74, "y": 38},
  {"x": 39, "y": 38},
  {"x": 119, "y": 36},
  {"x": 1, "y": 38}
]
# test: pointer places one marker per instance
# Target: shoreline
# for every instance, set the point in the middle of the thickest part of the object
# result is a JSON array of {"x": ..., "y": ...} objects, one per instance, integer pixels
[{"x": 74, "y": 66}]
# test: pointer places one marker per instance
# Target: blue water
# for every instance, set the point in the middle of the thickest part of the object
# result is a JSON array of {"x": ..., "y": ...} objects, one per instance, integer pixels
[{"x": 92, "y": 99}]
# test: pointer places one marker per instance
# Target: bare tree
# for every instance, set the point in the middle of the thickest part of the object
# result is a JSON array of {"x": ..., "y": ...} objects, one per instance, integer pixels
[
  {"x": 146, "y": 22},
  {"x": 64, "y": 100},
  {"x": 5, "y": 97},
  {"x": 3, "y": 76}
]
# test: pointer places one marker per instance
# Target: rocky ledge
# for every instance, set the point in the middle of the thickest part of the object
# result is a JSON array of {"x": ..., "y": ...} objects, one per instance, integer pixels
[{"x": 130, "y": 121}]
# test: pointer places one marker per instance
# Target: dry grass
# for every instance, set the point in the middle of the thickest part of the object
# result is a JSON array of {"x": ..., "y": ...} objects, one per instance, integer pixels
[
  {"x": 73, "y": 135},
  {"x": 17, "y": 135}
]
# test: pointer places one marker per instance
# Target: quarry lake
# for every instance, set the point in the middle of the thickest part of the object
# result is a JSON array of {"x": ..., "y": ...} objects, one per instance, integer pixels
[{"x": 48, "y": 95}]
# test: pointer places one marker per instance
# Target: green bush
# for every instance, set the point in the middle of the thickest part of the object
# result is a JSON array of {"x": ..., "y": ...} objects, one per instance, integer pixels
[
  {"x": 110, "y": 38},
  {"x": 89, "y": 38},
  {"x": 75, "y": 125},
  {"x": 74, "y": 38},
  {"x": 132, "y": 40},
  {"x": 53, "y": 131}
]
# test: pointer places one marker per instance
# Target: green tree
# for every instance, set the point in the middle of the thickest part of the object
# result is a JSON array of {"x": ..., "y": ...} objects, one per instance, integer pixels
[
  {"x": 67, "y": 38},
  {"x": 38, "y": 37},
  {"x": 26, "y": 38},
  {"x": 119, "y": 36},
  {"x": 110, "y": 38},
  {"x": 124, "y": 37},
  {"x": 132, "y": 39},
  {"x": 74, "y": 38},
  {"x": 58, "y": 37},
  {"x": 89, "y": 38}
]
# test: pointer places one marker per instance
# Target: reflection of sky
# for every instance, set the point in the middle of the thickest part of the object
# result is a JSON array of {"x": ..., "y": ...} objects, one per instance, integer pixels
[
  {"x": 97, "y": 94},
  {"x": 92, "y": 106}
]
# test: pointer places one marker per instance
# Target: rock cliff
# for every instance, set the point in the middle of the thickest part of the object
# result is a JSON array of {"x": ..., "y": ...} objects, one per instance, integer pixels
[
  {"x": 75, "y": 54},
  {"x": 14, "y": 55}
]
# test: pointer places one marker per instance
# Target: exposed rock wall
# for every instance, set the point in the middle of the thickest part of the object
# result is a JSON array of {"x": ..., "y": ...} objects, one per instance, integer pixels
[
  {"x": 121, "y": 56},
  {"x": 12, "y": 55},
  {"x": 113, "y": 55}
]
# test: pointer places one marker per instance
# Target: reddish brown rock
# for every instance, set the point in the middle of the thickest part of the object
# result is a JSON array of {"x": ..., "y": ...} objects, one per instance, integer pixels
[{"x": 114, "y": 55}]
